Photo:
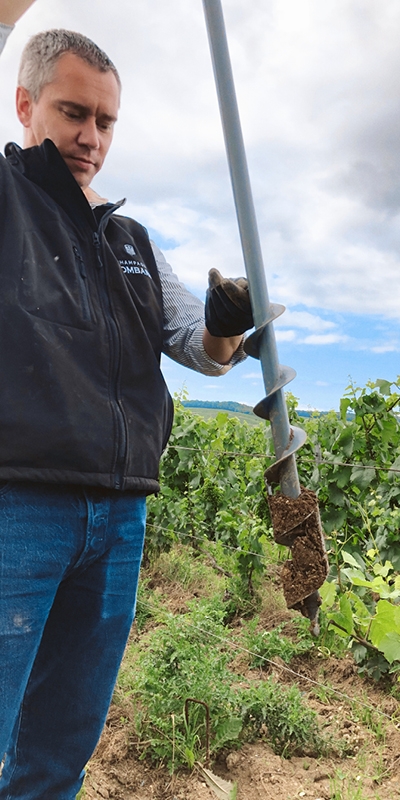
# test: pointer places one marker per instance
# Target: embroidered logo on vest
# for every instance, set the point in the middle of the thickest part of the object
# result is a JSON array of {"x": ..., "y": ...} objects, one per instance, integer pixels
[{"x": 132, "y": 266}]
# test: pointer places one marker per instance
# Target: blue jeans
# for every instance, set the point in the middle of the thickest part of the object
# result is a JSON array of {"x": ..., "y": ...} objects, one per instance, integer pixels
[{"x": 69, "y": 567}]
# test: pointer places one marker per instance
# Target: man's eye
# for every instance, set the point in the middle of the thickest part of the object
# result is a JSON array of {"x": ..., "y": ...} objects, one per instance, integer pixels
[{"x": 105, "y": 126}]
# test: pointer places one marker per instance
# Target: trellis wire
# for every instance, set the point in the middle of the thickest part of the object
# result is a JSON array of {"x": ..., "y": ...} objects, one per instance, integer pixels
[
  {"x": 318, "y": 461},
  {"x": 182, "y": 535}
]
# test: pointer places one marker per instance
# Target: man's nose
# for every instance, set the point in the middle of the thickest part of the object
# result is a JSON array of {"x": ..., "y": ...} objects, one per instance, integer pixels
[{"x": 89, "y": 134}]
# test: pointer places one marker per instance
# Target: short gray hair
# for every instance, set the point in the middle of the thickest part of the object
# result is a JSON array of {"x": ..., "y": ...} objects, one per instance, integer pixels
[{"x": 42, "y": 52}]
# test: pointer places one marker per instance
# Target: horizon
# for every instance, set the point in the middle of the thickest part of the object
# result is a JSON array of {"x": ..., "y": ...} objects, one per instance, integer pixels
[{"x": 223, "y": 404}]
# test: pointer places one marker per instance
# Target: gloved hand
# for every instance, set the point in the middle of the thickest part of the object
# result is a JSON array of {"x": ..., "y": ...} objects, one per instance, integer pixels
[{"x": 227, "y": 308}]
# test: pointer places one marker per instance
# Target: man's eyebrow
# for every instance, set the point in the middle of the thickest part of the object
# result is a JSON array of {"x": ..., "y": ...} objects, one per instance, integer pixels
[{"x": 80, "y": 109}]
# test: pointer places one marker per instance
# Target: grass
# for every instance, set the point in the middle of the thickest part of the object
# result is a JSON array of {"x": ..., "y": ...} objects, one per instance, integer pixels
[
  {"x": 183, "y": 567},
  {"x": 324, "y": 693},
  {"x": 371, "y": 720},
  {"x": 345, "y": 787}
]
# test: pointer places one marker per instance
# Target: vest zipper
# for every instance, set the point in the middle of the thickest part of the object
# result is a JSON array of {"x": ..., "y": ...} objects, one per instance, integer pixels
[
  {"x": 83, "y": 285},
  {"x": 115, "y": 341}
]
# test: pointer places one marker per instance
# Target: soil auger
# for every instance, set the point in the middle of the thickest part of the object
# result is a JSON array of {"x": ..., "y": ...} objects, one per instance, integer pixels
[{"x": 294, "y": 510}]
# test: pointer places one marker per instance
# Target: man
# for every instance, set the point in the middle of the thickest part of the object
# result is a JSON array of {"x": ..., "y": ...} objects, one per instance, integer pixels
[{"x": 85, "y": 312}]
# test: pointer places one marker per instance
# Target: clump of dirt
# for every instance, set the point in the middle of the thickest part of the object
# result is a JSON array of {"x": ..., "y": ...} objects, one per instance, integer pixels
[
  {"x": 296, "y": 523},
  {"x": 307, "y": 570},
  {"x": 288, "y": 513}
]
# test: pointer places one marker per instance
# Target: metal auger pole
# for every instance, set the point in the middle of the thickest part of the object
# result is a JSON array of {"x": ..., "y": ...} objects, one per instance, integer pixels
[{"x": 275, "y": 377}]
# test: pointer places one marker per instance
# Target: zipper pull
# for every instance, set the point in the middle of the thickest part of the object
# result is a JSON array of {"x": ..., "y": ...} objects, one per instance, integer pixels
[
  {"x": 79, "y": 258},
  {"x": 97, "y": 245}
]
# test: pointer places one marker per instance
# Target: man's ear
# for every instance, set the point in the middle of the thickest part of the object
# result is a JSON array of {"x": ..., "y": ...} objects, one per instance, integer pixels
[{"x": 24, "y": 105}]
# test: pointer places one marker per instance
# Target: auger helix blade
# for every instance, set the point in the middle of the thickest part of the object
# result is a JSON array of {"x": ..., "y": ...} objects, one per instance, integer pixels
[
  {"x": 296, "y": 524},
  {"x": 252, "y": 343},
  {"x": 297, "y": 438},
  {"x": 263, "y": 408}
]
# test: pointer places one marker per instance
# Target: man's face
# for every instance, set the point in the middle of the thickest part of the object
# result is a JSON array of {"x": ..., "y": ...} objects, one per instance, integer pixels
[{"x": 77, "y": 111}]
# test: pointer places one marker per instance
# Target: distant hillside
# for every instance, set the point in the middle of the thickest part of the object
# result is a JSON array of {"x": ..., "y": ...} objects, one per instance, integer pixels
[
  {"x": 223, "y": 405},
  {"x": 208, "y": 410},
  {"x": 235, "y": 408}
]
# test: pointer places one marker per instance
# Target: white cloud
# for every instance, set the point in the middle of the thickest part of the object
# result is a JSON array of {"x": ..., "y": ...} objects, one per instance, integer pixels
[
  {"x": 390, "y": 347},
  {"x": 303, "y": 319},
  {"x": 285, "y": 336},
  {"x": 325, "y": 338}
]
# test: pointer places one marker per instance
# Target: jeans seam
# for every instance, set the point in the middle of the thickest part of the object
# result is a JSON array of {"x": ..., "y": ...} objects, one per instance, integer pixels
[{"x": 21, "y": 711}]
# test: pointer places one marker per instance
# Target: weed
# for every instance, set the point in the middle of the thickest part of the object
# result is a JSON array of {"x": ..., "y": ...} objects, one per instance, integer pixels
[
  {"x": 187, "y": 657},
  {"x": 380, "y": 769},
  {"x": 269, "y": 644},
  {"x": 238, "y": 601},
  {"x": 147, "y": 604},
  {"x": 374, "y": 722},
  {"x": 279, "y": 712},
  {"x": 323, "y": 692},
  {"x": 178, "y": 661},
  {"x": 343, "y": 787}
]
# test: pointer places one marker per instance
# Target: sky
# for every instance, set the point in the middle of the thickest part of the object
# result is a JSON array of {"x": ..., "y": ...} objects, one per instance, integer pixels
[{"x": 318, "y": 87}]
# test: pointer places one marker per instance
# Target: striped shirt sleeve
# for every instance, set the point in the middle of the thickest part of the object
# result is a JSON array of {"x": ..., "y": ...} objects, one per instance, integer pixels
[
  {"x": 5, "y": 31},
  {"x": 184, "y": 324}
]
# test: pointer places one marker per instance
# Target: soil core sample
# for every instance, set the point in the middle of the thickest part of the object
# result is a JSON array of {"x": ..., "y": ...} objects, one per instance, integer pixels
[{"x": 296, "y": 524}]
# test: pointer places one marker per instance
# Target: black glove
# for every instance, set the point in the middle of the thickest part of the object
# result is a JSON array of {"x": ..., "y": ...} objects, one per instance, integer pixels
[{"x": 227, "y": 309}]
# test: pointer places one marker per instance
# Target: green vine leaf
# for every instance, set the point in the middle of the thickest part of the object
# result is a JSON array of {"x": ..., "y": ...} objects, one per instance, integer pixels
[
  {"x": 385, "y": 621},
  {"x": 343, "y": 619},
  {"x": 362, "y": 477},
  {"x": 349, "y": 559},
  {"x": 344, "y": 404},
  {"x": 390, "y": 646},
  {"x": 383, "y": 386},
  {"x": 328, "y": 592},
  {"x": 346, "y": 441},
  {"x": 394, "y": 466},
  {"x": 384, "y": 569}
]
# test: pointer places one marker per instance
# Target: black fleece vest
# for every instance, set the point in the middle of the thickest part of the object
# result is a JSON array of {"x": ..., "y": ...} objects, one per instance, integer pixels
[{"x": 82, "y": 398}]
